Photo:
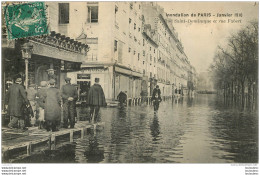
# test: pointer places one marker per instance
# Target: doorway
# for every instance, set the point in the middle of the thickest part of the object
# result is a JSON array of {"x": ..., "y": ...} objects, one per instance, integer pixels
[{"x": 83, "y": 89}]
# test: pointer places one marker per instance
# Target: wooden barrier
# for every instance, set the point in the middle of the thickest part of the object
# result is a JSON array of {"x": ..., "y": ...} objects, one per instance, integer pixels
[
  {"x": 29, "y": 149},
  {"x": 46, "y": 137}
]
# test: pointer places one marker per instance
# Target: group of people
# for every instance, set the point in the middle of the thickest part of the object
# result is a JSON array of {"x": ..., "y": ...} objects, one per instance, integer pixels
[
  {"x": 43, "y": 107},
  {"x": 48, "y": 102},
  {"x": 156, "y": 98}
]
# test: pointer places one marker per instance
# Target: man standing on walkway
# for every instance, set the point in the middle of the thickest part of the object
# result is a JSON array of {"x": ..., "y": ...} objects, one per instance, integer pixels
[
  {"x": 156, "y": 90},
  {"x": 69, "y": 96},
  {"x": 52, "y": 111},
  {"x": 17, "y": 101},
  {"x": 96, "y": 99}
]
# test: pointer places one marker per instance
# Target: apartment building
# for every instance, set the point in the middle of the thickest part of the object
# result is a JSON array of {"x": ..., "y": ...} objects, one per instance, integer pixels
[
  {"x": 150, "y": 52},
  {"x": 168, "y": 61},
  {"x": 132, "y": 46}
]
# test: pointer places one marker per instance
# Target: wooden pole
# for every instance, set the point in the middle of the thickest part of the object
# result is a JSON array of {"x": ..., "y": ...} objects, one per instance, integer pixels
[
  {"x": 29, "y": 149},
  {"x": 26, "y": 73},
  {"x": 82, "y": 133},
  {"x": 53, "y": 142},
  {"x": 71, "y": 136},
  {"x": 95, "y": 129}
]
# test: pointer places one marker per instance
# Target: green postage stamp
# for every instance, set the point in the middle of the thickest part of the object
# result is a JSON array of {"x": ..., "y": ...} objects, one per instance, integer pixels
[{"x": 26, "y": 19}]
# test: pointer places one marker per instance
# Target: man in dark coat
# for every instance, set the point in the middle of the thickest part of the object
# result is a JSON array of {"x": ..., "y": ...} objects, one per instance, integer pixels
[
  {"x": 52, "y": 111},
  {"x": 122, "y": 98},
  {"x": 69, "y": 96},
  {"x": 16, "y": 100},
  {"x": 96, "y": 99},
  {"x": 156, "y": 98},
  {"x": 156, "y": 90},
  {"x": 156, "y": 101}
]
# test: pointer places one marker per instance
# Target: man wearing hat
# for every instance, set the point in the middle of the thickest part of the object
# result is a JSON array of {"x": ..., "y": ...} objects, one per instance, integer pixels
[
  {"x": 16, "y": 100},
  {"x": 52, "y": 111},
  {"x": 96, "y": 99},
  {"x": 51, "y": 74},
  {"x": 69, "y": 96}
]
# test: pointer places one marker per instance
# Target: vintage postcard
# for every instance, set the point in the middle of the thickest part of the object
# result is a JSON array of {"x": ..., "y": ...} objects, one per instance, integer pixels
[{"x": 130, "y": 82}]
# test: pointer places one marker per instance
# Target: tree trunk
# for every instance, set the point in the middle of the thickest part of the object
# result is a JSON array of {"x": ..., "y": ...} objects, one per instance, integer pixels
[
  {"x": 232, "y": 91},
  {"x": 243, "y": 93},
  {"x": 249, "y": 102}
]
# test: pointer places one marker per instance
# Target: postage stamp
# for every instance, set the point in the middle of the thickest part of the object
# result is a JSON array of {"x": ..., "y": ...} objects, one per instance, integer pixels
[{"x": 26, "y": 19}]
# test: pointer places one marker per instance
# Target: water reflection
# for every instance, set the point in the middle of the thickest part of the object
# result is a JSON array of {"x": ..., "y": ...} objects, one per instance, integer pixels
[
  {"x": 94, "y": 153},
  {"x": 203, "y": 129},
  {"x": 235, "y": 133},
  {"x": 155, "y": 128},
  {"x": 64, "y": 154},
  {"x": 189, "y": 101},
  {"x": 119, "y": 134}
]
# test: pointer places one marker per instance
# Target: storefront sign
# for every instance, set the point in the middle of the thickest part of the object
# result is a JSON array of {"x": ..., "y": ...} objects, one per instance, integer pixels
[
  {"x": 71, "y": 66},
  {"x": 83, "y": 76}
]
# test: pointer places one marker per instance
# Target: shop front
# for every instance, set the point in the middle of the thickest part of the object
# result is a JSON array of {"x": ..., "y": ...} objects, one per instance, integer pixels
[
  {"x": 127, "y": 80},
  {"x": 85, "y": 78},
  {"x": 41, "y": 58}
]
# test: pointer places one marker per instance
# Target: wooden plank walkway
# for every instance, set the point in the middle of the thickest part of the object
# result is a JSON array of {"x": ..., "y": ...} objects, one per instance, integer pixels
[{"x": 12, "y": 139}]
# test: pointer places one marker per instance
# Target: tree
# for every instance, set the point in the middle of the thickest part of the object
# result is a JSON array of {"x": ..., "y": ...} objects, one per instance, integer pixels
[{"x": 235, "y": 67}]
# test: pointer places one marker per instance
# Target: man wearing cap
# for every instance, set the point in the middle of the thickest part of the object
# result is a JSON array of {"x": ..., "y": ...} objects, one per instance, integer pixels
[
  {"x": 16, "y": 100},
  {"x": 69, "y": 96},
  {"x": 96, "y": 99},
  {"x": 52, "y": 111}
]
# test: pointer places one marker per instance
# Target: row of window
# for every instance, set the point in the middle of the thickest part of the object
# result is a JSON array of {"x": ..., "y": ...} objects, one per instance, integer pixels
[
  {"x": 130, "y": 21},
  {"x": 131, "y": 5},
  {"x": 129, "y": 50},
  {"x": 64, "y": 13}
]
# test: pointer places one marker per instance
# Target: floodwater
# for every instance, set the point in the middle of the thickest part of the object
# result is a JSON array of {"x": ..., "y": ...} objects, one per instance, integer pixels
[{"x": 191, "y": 130}]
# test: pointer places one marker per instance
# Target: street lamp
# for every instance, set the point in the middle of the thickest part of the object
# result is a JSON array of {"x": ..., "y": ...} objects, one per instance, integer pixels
[{"x": 26, "y": 55}]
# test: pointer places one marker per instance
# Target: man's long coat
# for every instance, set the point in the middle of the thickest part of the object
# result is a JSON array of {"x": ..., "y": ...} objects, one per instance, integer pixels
[{"x": 96, "y": 96}]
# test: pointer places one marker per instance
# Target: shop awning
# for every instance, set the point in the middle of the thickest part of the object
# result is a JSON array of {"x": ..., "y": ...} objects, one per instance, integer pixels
[
  {"x": 128, "y": 72},
  {"x": 60, "y": 47}
]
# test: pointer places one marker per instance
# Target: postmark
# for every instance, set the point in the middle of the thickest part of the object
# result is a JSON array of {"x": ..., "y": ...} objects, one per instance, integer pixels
[{"x": 24, "y": 20}]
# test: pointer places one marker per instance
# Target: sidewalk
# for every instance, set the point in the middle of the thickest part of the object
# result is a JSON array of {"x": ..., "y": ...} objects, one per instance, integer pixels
[{"x": 15, "y": 143}]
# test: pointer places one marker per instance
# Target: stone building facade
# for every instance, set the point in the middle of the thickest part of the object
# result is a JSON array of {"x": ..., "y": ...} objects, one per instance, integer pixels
[{"x": 133, "y": 46}]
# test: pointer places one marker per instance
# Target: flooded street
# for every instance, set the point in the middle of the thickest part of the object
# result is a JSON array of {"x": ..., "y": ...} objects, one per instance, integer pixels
[{"x": 191, "y": 130}]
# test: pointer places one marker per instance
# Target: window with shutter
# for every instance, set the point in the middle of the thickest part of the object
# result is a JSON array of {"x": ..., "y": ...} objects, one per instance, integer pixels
[
  {"x": 63, "y": 13},
  {"x": 92, "y": 13}
]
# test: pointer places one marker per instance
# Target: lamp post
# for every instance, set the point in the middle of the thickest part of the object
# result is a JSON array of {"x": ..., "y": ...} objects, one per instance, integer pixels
[{"x": 26, "y": 54}]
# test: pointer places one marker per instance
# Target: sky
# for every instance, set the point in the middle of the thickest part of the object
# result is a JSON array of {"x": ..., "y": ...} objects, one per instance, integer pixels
[{"x": 200, "y": 40}]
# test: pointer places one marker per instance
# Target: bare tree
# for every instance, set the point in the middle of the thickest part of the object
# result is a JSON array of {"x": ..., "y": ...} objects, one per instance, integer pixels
[{"x": 235, "y": 67}]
